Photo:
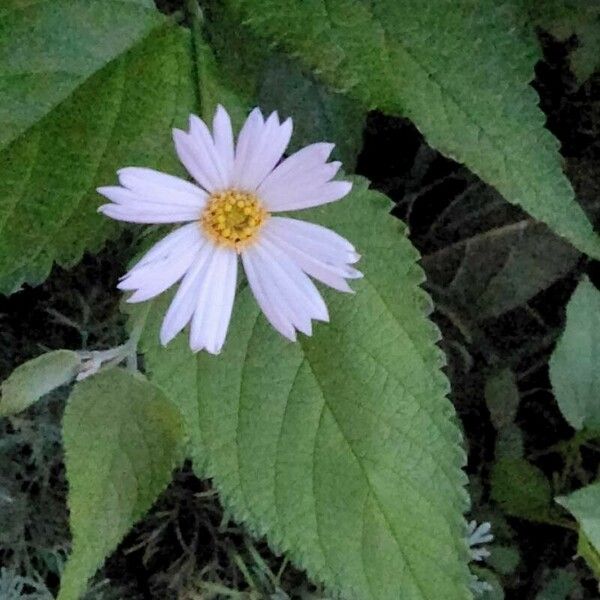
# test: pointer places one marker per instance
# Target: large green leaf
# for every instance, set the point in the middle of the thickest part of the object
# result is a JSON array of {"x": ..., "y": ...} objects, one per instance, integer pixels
[
  {"x": 341, "y": 448},
  {"x": 574, "y": 364},
  {"x": 274, "y": 82},
  {"x": 459, "y": 69},
  {"x": 122, "y": 440},
  {"x": 317, "y": 111},
  {"x": 85, "y": 88},
  {"x": 584, "y": 505}
]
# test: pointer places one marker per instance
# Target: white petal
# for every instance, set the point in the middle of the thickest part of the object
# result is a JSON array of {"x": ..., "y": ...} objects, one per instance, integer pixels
[
  {"x": 247, "y": 141},
  {"x": 156, "y": 187},
  {"x": 269, "y": 304},
  {"x": 266, "y": 152},
  {"x": 285, "y": 294},
  {"x": 297, "y": 185},
  {"x": 294, "y": 284},
  {"x": 315, "y": 239},
  {"x": 195, "y": 158},
  {"x": 139, "y": 212},
  {"x": 215, "y": 301},
  {"x": 184, "y": 236},
  {"x": 333, "y": 275},
  {"x": 155, "y": 277},
  {"x": 287, "y": 303},
  {"x": 184, "y": 303},
  {"x": 298, "y": 197},
  {"x": 223, "y": 136},
  {"x": 206, "y": 147},
  {"x": 307, "y": 158},
  {"x": 298, "y": 164}
]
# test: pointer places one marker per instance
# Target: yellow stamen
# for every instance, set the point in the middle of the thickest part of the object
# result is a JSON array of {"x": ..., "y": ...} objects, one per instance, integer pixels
[{"x": 233, "y": 218}]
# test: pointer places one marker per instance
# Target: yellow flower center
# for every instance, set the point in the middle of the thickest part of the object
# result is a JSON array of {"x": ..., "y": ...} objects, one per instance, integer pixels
[{"x": 233, "y": 218}]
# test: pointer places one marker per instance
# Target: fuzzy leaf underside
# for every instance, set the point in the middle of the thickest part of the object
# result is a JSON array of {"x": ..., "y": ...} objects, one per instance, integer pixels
[
  {"x": 122, "y": 440},
  {"x": 459, "y": 70},
  {"x": 131, "y": 79},
  {"x": 341, "y": 448},
  {"x": 37, "y": 377},
  {"x": 574, "y": 363}
]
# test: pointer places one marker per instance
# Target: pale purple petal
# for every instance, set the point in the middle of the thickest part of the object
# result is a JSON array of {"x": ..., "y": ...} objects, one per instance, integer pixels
[
  {"x": 207, "y": 152},
  {"x": 298, "y": 198},
  {"x": 153, "y": 186},
  {"x": 184, "y": 303},
  {"x": 330, "y": 272},
  {"x": 294, "y": 284},
  {"x": 184, "y": 236},
  {"x": 296, "y": 166},
  {"x": 324, "y": 243},
  {"x": 284, "y": 292},
  {"x": 223, "y": 137},
  {"x": 247, "y": 141},
  {"x": 297, "y": 185},
  {"x": 267, "y": 150},
  {"x": 195, "y": 158},
  {"x": 143, "y": 212},
  {"x": 270, "y": 303},
  {"x": 215, "y": 302},
  {"x": 153, "y": 278}
]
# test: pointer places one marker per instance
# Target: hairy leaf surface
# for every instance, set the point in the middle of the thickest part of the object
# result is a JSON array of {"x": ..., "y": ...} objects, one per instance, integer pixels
[
  {"x": 122, "y": 440},
  {"x": 459, "y": 70},
  {"x": 316, "y": 110},
  {"x": 274, "y": 82},
  {"x": 341, "y": 448},
  {"x": 37, "y": 377},
  {"x": 574, "y": 364},
  {"x": 85, "y": 88},
  {"x": 584, "y": 505}
]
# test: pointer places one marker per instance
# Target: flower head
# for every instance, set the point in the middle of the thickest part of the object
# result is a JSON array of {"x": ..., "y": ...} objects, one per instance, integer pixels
[
  {"x": 478, "y": 535},
  {"x": 229, "y": 212}
]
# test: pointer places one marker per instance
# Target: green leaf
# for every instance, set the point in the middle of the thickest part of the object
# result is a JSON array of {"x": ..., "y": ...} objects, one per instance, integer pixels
[
  {"x": 274, "y": 82},
  {"x": 85, "y": 88},
  {"x": 562, "y": 584},
  {"x": 37, "y": 377},
  {"x": 521, "y": 489},
  {"x": 488, "y": 268},
  {"x": 122, "y": 440},
  {"x": 49, "y": 48},
  {"x": 342, "y": 448},
  {"x": 459, "y": 70},
  {"x": 175, "y": 370},
  {"x": 565, "y": 18},
  {"x": 316, "y": 110},
  {"x": 574, "y": 363},
  {"x": 584, "y": 505}
]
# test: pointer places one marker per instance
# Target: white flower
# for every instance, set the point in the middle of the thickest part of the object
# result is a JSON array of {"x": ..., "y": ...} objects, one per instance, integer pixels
[
  {"x": 228, "y": 212},
  {"x": 479, "y": 535}
]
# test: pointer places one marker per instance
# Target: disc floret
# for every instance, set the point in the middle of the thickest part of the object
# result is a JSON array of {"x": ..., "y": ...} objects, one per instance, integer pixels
[{"x": 233, "y": 218}]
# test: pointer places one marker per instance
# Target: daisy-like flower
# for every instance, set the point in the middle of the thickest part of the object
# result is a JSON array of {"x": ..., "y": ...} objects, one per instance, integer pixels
[
  {"x": 478, "y": 535},
  {"x": 228, "y": 213}
]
